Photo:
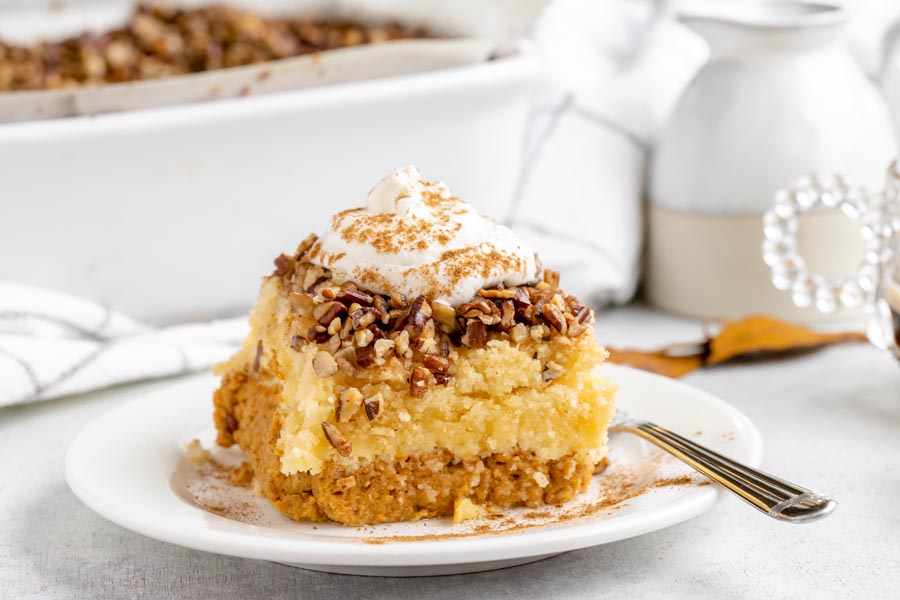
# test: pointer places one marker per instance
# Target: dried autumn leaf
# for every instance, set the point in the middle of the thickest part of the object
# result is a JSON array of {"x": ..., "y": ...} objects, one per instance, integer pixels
[
  {"x": 656, "y": 362},
  {"x": 758, "y": 333},
  {"x": 754, "y": 335}
]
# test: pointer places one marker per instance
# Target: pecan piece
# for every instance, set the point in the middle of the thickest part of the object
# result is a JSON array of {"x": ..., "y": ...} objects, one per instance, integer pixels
[
  {"x": 297, "y": 342},
  {"x": 476, "y": 309},
  {"x": 284, "y": 264},
  {"x": 554, "y": 316},
  {"x": 401, "y": 342},
  {"x": 362, "y": 317},
  {"x": 325, "y": 313},
  {"x": 583, "y": 315},
  {"x": 324, "y": 364},
  {"x": 349, "y": 296},
  {"x": 418, "y": 381},
  {"x": 306, "y": 245},
  {"x": 381, "y": 309},
  {"x": 441, "y": 378},
  {"x": 443, "y": 313},
  {"x": 507, "y": 315},
  {"x": 302, "y": 303},
  {"x": 336, "y": 439},
  {"x": 476, "y": 334},
  {"x": 397, "y": 301},
  {"x": 335, "y": 326},
  {"x": 552, "y": 371},
  {"x": 363, "y": 337},
  {"x": 519, "y": 333},
  {"x": 551, "y": 278},
  {"x": 373, "y": 406},
  {"x": 504, "y": 293},
  {"x": 521, "y": 298},
  {"x": 419, "y": 313},
  {"x": 258, "y": 357},
  {"x": 365, "y": 356},
  {"x": 347, "y": 404},
  {"x": 382, "y": 347},
  {"x": 318, "y": 334},
  {"x": 433, "y": 362}
]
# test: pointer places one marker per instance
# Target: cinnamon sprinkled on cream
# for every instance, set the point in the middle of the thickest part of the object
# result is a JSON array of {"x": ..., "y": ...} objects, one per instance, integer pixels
[{"x": 414, "y": 238}]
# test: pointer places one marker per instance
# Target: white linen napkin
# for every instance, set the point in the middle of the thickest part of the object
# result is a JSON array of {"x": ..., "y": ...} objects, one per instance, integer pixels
[
  {"x": 614, "y": 69},
  {"x": 53, "y": 344}
]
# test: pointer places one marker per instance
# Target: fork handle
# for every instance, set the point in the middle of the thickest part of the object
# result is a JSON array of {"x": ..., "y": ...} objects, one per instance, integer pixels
[{"x": 767, "y": 493}]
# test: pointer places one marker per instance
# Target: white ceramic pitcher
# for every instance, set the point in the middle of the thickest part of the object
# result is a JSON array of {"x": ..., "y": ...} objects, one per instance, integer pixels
[{"x": 780, "y": 97}]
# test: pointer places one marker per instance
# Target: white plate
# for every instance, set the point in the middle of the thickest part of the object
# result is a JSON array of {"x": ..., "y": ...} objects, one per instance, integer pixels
[{"x": 121, "y": 465}]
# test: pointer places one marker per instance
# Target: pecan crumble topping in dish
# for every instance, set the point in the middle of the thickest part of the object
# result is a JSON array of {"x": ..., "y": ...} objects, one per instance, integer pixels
[
  {"x": 412, "y": 360},
  {"x": 162, "y": 41}
]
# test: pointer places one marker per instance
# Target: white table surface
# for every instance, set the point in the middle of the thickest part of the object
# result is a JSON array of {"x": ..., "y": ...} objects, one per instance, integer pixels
[{"x": 830, "y": 421}]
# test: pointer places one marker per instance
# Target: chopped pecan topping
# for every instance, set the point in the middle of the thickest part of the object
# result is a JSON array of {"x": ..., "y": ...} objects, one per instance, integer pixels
[
  {"x": 381, "y": 310},
  {"x": 324, "y": 364},
  {"x": 418, "y": 381},
  {"x": 284, "y": 264},
  {"x": 362, "y": 317},
  {"x": 443, "y": 313},
  {"x": 297, "y": 342},
  {"x": 365, "y": 356},
  {"x": 476, "y": 334},
  {"x": 363, "y": 337},
  {"x": 317, "y": 334},
  {"x": 507, "y": 315},
  {"x": 551, "y": 278},
  {"x": 316, "y": 284},
  {"x": 501, "y": 293},
  {"x": 519, "y": 333},
  {"x": 258, "y": 357},
  {"x": 335, "y": 326},
  {"x": 551, "y": 371},
  {"x": 583, "y": 315},
  {"x": 401, "y": 342},
  {"x": 383, "y": 347},
  {"x": 441, "y": 378},
  {"x": 349, "y": 296},
  {"x": 359, "y": 329},
  {"x": 554, "y": 317},
  {"x": 347, "y": 404},
  {"x": 301, "y": 302},
  {"x": 419, "y": 313},
  {"x": 305, "y": 245},
  {"x": 337, "y": 439},
  {"x": 373, "y": 406},
  {"x": 325, "y": 313},
  {"x": 476, "y": 309},
  {"x": 521, "y": 298},
  {"x": 435, "y": 363}
]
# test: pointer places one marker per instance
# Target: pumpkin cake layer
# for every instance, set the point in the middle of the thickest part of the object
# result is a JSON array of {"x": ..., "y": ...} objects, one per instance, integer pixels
[{"x": 402, "y": 489}]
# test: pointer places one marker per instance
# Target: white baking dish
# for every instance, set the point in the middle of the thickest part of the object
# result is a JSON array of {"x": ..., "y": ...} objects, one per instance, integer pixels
[{"x": 174, "y": 213}]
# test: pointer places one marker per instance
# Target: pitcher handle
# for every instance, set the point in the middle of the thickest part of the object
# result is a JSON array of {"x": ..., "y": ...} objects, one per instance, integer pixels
[{"x": 789, "y": 271}]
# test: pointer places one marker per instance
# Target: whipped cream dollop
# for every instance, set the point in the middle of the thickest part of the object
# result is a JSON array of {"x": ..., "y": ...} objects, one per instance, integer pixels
[{"x": 414, "y": 238}]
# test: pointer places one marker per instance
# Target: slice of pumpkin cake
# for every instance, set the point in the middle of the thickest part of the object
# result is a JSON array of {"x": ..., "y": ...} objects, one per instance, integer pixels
[{"x": 410, "y": 358}]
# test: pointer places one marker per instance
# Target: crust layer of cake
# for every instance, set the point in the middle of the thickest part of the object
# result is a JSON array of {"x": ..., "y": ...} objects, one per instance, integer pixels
[{"x": 403, "y": 489}]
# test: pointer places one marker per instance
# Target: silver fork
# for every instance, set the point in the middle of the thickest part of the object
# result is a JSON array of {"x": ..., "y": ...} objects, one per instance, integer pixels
[{"x": 775, "y": 497}]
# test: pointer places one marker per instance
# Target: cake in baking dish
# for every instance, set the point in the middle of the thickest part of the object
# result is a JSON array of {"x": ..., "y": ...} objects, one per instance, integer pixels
[{"x": 412, "y": 359}]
